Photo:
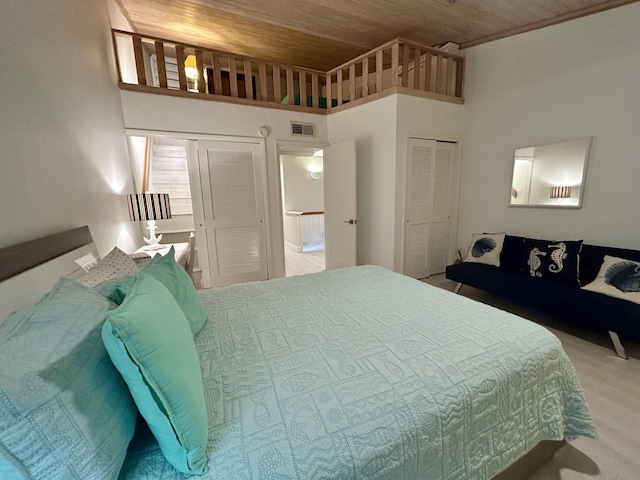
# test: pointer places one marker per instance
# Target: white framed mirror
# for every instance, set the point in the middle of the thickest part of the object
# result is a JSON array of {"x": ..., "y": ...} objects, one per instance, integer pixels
[{"x": 550, "y": 175}]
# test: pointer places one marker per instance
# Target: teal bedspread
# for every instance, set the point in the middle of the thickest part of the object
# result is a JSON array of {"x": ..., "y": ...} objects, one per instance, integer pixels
[{"x": 362, "y": 373}]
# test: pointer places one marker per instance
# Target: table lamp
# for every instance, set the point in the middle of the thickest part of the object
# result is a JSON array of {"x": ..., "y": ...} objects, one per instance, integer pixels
[{"x": 149, "y": 207}]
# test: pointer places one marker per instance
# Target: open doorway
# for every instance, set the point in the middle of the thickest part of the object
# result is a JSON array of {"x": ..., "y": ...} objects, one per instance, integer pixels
[{"x": 301, "y": 177}]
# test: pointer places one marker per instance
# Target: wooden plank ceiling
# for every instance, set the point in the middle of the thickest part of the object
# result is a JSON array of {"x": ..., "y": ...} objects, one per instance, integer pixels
[{"x": 323, "y": 34}]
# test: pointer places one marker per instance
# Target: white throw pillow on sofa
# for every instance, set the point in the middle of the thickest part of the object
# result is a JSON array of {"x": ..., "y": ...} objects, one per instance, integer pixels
[
  {"x": 485, "y": 248},
  {"x": 619, "y": 278}
]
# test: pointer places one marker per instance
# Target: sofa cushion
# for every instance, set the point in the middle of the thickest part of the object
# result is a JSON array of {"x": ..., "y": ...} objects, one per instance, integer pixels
[
  {"x": 512, "y": 256},
  {"x": 485, "y": 248},
  {"x": 554, "y": 260}
]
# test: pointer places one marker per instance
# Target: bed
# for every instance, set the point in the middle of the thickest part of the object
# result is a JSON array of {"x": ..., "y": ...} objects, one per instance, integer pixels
[{"x": 364, "y": 373}]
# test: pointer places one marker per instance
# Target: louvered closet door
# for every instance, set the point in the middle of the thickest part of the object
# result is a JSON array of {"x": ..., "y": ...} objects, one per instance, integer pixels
[
  {"x": 419, "y": 198},
  {"x": 428, "y": 207},
  {"x": 440, "y": 226},
  {"x": 233, "y": 203}
]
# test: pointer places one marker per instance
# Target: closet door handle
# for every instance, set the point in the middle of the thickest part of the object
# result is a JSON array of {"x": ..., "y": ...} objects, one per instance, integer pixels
[{"x": 351, "y": 221}]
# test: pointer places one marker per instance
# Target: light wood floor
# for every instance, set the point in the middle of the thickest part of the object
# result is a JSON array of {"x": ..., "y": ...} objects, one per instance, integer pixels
[
  {"x": 301, "y": 263},
  {"x": 612, "y": 389}
]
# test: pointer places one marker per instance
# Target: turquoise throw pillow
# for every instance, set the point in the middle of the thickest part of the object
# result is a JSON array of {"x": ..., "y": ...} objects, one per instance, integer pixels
[
  {"x": 165, "y": 270},
  {"x": 64, "y": 410},
  {"x": 150, "y": 343},
  {"x": 177, "y": 281}
]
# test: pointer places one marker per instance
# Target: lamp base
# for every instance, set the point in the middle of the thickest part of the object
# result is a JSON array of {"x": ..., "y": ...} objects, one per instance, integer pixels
[{"x": 152, "y": 240}]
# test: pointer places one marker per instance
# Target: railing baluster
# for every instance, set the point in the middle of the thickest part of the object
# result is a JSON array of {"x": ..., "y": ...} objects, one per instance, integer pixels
[
  {"x": 352, "y": 82},
  {"x": 162, "y": 67},
  {"x": 202, "y": 88},
  {"x": 262, "y": 72},
  {"x": 314, "y": 90},
  {"x": 427, "y": 71},
  {"x": 441, "y": 72},
  {"x": 139, "y": 56},
  {"x": 365, "y": 76},
  {"x": 217, "y": 75},
  {"x": 339, "y": 87},
  {"x": 182, "y": 78},
  {"x": 394, "y": 63},
  {"x": 291, "y": 100},
  {"x": 405, "y": 65},
  {"x": 379, "y": 67},
  {"x": 329, "y": 90},
  {"x": 459, "y": 78},
  {"x": 302, "y": 77},
  {"x": 277, "y": 89},
  {"x": 248, "y": 79},
  {"x": 416, "y": 68},
  {"x": 451, "y": 73},
  {"x": 233, "y": 76}
]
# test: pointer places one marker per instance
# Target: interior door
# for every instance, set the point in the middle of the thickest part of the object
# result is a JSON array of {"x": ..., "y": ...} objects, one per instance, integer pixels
[
  {"x": 428, "y": 207},
  {"x": 340, "y": 220},
  {"x": 419, "y": 198},
  {"x": 440, "y": 225},
  {"x": 233, "y": 198}
]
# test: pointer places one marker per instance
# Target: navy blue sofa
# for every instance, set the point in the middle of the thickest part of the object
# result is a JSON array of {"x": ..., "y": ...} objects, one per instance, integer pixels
[{"x": 568, "y": 302}]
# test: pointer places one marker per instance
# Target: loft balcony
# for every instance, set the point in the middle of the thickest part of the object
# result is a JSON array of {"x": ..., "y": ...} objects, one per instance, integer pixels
[{"x": 155, "y": 65}]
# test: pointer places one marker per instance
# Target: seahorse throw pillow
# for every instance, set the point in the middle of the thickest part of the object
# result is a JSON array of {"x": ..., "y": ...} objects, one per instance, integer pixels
[
  {"x": 618, "y": 277},
  {"x": 553, "y": 259},
  {"x": 485, "y": 248}
]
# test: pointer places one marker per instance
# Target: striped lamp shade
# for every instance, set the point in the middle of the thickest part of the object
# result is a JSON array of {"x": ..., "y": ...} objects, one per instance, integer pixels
[
  {"x": 149, "y": 206},
  {"x": 560, "y": 192}
]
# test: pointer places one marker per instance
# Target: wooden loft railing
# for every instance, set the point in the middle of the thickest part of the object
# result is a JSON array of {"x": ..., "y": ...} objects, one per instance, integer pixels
[
  {"x": 155, "y": 65},
  {"x": 398, "y": 66}
]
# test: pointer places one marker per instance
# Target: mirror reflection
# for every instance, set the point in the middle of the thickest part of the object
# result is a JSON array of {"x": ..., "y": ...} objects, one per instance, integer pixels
[{"x": 550, "y": 175}]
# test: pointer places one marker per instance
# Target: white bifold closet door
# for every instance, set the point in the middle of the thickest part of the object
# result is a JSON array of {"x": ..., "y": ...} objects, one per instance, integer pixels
[
  {"x": 428, "y": 207},
  {"x": 232, "y": 183}
]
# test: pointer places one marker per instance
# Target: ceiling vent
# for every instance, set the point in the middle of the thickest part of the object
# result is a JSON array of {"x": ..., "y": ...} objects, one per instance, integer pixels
[{"x": 302, "y": 129}]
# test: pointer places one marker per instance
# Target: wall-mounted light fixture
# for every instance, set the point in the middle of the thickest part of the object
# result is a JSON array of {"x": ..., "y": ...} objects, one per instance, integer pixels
[
  {"x": 315, "y": 174},
  {"x": 560, "y": 192}
]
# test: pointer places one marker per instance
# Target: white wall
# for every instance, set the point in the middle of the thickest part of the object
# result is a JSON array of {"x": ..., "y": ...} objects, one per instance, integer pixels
[
  {"x": 567, "y": 81},
  {"x": 301, "y": 192},
  {"x": 174, "y": 114},
  {"x": 373, "y": 126},
  {"x": 64, "y": 159}
]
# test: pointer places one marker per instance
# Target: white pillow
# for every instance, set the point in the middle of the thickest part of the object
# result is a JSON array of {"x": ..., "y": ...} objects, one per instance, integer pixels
[
  {"x": 619, "y": 278},
  {"x": 485, "y": 248},
  {"x": 115, "y": 264}
]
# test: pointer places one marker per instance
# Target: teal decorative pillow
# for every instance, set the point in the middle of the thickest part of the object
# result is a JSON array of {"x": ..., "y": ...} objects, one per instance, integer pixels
[
  {"x": 150, "y": 343},
  {"x": 64, "y": 410},
  {"x": 165, "y": 270}
]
